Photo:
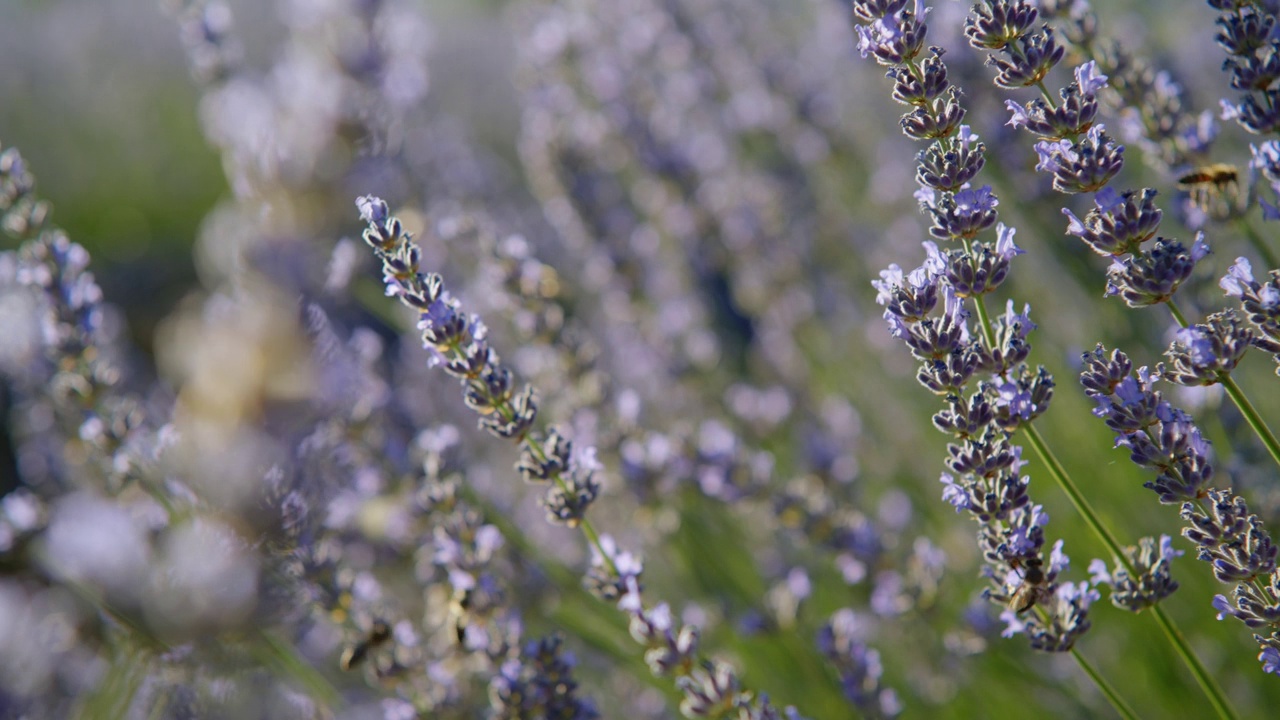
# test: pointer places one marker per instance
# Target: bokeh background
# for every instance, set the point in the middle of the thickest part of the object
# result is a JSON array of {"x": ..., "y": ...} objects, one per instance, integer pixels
[{"x": 711, "y": 186}]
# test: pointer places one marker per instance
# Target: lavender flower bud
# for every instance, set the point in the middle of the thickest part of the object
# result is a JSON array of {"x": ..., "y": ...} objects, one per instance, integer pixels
[
  {"x": 964, "y": 215},
  {"x": 667, "y": 652},
  {"x": 524, "y": 411},
  {"x": 1157, "y": 435},
  {"x": 891, "y": 39},
  {"x": 710, "y": 690},
  {"x": 1152, "y": 278},
  {"x": 1254, "y": 115},
  {"x": 983, "y": 456},
  {"x": 1244, "y": 33},
  {"x": 539, "y": 684},
  {"x": 1270, "y": 655},
  {"x": 21, "y": 213},
  {"x": 1118, "y": 224},
  {"x": 858, "y": 665},
  {"x": 1023, "y": 398},
  {"x": 980, "y": 272},
  {"x": 1261, "y": 301},
  {"x": 910, "y": 88},
  {"x": 1230, "y": 537},
  {"x": 909, "y": 297},
  {"x": 1203, "y": 354},
  {"x": 947, "y": 166},
  {"x": 1086, "y": 165},
  {"x": 615, "y": 574},
  {"x": 1154, "y": 583},
  {"x": 964, "y": 419},
  {"x": 948, "y": 375},
  {"x": 937, "y": 118},
  {"x": 551, "y": 460},
  {"x": 1073, "y": 116},
  {"x": 1035, "y": 56},
  {"x": 1069, "y": 613},
  {"x": 871, "y": 10},
  {"x": 1012, "y": 349},
  {"x": 1102, "y": 375},
  {"x": 992, "y": 26}
]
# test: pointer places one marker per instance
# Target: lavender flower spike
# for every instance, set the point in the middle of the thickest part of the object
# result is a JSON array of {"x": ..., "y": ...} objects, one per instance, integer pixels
[{"x": 710, "y": 688}]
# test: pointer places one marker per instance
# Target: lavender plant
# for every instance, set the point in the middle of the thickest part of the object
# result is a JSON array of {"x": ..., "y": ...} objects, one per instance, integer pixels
[
  {"x": 458, "y": 344},
  {"x": 277, "y": 505},
  {"x": 1164, "y": 438},
  {"x": 988, "y": 480},
  {"x": 1201, "y": 354},
  {"x": 1082, "y": 159}
]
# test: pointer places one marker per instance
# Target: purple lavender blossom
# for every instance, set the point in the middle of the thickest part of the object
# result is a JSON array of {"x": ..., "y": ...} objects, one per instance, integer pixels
[
  {"x": 984, "y": 477},
  {"x": 710, "y": 688}
]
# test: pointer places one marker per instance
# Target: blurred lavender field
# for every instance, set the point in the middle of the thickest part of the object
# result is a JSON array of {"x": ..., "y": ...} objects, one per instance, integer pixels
[{"x": 691, "y": 262}]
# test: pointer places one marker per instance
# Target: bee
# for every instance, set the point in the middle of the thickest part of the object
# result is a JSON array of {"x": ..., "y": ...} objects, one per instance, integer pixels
[
  {"x": 1031, "y": 590},
  {"x": 1214, "y": 189},
  {"x": 356, "y": 654},
  {"x": 462, "y": 606}
]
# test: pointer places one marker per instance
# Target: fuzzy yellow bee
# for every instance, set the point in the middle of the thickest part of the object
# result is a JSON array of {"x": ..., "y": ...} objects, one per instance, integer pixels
[
  {"x": 356, "y": 654},
  {"x": 1032, "y": 589},
  {"x": 1213, "y": 189}
]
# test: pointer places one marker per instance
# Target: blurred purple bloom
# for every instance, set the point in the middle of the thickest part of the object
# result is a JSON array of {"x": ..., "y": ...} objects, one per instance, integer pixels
[
  {"x": 1239, "y": 277},
  {"x": 953, "y": 493},
  {"x": 1270, "y": 659},
  {"x": 1005, "y": 246},
  {"x": 1090, "y": 80},
  {"x": 1019, "y": 117},
  {"x": 1198, "y": 344}
]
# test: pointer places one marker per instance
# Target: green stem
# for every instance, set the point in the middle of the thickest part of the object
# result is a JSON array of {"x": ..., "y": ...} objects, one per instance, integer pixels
[
  {"x": 1177, "y": 313},
  {"x": 1207, "y": 682},
  {"x": 1255, "y": 240},
  {"x": 1251, "y": 415},
  {"x": 503, "y": 407},
  {"x": 1082, "y": 506},
  {"x": 1113, "y": 697},
  {"x": 588, "y": 530},
  {"x": 118, "y": 688},
  {"x": 984, "y": 320},
  {"x": 1192, "y": 661},
  {"x": 1048, "y": 96},
  {"x": 273, "y": 651},
  {"x": 1059, "y": 472}
]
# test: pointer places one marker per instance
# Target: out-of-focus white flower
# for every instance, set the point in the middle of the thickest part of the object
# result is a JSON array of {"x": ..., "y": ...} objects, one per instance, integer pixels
[
  {"x": 205, "y": 578},
  {"x": 92, "y": 540}
]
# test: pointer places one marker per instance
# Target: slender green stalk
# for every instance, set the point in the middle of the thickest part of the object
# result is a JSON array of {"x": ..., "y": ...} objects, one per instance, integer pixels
[
  {"x": 1060, "y": 475},
  {"x": 1255, "y": 240},
  {"x": 1177, "y": 313},
  {"x": 119, "y": 687},
  {"x": 1206, "y": 681},
  {"x": 984, "y": 319},
  {"x": 1082, "y": 506},
  {"x": 503, "y": 407},
  {"x": 1251, "y": 416},
  {"x": 274, "y": 651},
  {"x": 1113, "y": 697}
]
